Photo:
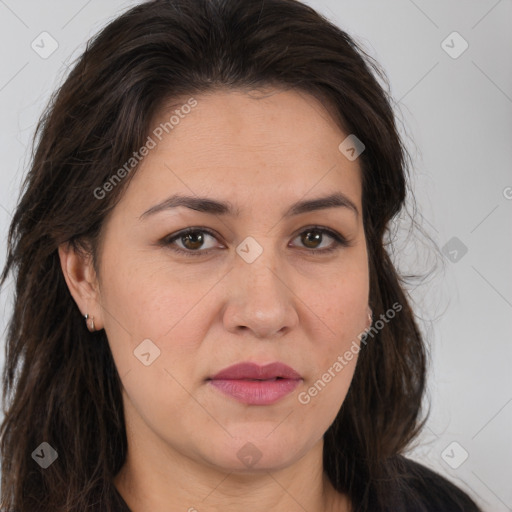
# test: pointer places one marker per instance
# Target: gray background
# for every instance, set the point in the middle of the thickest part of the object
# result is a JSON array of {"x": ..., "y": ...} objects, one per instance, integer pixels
[{"x": 455, "y": 114}]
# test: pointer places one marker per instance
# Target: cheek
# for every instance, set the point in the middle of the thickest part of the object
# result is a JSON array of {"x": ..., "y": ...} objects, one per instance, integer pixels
[
  {"x": 152, "y": 311},
  {"x": 341, "y": 308},
  {"x": 145, "y": 298},
  {"x": 321, "y": 398},
  {"x": 340, "y": 316},
  {"x": 149, "y": 298}
]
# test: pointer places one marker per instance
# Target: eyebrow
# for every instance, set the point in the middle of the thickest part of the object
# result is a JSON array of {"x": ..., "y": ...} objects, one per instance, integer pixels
[{"x": 212, "y": 206}]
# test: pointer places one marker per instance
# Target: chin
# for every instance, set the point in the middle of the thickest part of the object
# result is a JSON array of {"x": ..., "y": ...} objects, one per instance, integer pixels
[{"x": 256, "y": 451}]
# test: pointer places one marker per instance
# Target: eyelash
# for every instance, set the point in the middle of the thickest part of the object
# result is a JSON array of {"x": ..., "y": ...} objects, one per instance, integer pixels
[{"x": 339, "y": 241}]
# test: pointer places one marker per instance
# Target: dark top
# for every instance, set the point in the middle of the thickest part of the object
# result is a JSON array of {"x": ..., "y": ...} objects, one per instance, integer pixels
[{"x": 422, "y": 490}]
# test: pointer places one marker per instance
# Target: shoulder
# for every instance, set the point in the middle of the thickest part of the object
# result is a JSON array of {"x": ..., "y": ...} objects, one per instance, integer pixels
[{"x": 423, "y": 490}]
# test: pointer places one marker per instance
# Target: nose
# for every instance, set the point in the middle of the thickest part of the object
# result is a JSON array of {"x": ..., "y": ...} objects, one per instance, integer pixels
[{"x": 260, "y": 299}]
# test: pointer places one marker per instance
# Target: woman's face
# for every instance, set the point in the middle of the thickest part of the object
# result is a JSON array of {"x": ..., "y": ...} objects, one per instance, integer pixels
[{"x": 249, "y": 285}]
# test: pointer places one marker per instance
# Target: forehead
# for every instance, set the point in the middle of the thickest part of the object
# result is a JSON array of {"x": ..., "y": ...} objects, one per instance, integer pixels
[{"x": 252, "y": 145}]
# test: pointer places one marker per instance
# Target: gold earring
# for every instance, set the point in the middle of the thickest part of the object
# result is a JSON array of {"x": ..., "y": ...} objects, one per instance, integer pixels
[{"x": 91, "y": 326}]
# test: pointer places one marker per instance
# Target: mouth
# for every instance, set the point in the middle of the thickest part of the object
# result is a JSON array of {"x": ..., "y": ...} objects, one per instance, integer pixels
[{"x": 252, "y": 384}]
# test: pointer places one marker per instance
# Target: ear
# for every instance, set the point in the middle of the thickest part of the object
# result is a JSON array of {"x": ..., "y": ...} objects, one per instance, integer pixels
[{"x": 80, "y": 276}]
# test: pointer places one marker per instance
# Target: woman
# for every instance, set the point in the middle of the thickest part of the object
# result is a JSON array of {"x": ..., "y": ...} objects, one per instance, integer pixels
[{"x": 205, "y": 315}]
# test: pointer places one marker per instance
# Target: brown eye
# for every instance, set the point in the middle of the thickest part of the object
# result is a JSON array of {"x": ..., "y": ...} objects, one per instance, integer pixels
[
  {"x": 311, "y": 239},
  {"x": 192, "y": 240},
  {"x": 314, "y": 239}
]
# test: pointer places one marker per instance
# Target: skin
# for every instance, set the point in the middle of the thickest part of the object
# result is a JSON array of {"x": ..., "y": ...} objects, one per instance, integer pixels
[{"x": 261, "y": 152}]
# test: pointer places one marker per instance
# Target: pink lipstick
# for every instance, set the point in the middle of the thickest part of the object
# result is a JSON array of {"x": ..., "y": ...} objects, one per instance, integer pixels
[{"x": 256, "y": 385}]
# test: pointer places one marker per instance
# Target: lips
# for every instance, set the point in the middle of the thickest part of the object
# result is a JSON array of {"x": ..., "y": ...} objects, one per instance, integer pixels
[
  {"x": 252, "y": 371},
  {"x": 256, "y": 385}
]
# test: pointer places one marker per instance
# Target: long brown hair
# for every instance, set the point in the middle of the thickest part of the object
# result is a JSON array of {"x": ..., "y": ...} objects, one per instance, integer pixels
[{"x": 60, "y": 382}]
